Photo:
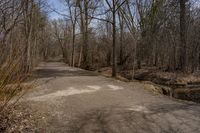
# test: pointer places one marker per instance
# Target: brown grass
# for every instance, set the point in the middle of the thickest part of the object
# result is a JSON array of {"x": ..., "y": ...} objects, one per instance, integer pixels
[
  {"x": 12, "y": 88},
  {"x": 11, "y": 78}
]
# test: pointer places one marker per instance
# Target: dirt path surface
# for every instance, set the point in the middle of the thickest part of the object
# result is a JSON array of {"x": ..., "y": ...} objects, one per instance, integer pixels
[{"x": 71, "y": 100}]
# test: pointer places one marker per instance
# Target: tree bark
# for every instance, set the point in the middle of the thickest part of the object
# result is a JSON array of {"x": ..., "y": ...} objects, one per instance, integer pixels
[
  {"x": 114, "y": 64},
  {"x": 121, "y": 21},
  {"x": 73, "y": 44},
  {"x": 182, "y": 47}
]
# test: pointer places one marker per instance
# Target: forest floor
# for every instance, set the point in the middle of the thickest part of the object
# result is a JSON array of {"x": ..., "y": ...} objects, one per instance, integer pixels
[{"x": 72, "y": 100}]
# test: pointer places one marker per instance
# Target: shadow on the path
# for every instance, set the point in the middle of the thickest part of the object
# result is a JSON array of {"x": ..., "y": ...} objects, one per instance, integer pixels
[
  {"x": 164, "y": 119},
  {"x": 48, "y": 73}
]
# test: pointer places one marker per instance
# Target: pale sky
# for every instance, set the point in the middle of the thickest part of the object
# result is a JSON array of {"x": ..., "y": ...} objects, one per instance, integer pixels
[{"x": 58, "y": 6}]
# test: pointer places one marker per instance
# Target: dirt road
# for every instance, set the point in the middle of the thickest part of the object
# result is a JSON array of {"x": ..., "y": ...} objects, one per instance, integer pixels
[{"x": 71, "y": 100}]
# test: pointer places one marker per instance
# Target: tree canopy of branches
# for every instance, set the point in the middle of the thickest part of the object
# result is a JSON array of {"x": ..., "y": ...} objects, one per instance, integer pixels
[{"x": 128, "y": 34}]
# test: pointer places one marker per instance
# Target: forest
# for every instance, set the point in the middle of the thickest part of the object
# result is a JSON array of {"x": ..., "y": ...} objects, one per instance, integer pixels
[
  {"x": 147, "y": 40},
  {"x": 129, "y": 34}
]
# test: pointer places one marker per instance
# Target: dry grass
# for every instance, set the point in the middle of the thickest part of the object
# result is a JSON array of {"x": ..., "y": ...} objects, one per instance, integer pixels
[
  {"x": 11, "y": 77},
  {"x": 12, "y": 88}
]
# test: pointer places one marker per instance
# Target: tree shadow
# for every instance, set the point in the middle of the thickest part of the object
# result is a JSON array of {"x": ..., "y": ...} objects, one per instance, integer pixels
[
  {"x": 49, "y": 73},
  {"x": 168, "y": 118}
]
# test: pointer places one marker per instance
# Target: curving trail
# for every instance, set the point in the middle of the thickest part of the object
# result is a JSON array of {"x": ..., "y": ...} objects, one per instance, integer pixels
[{"x": 71, "y": 100}]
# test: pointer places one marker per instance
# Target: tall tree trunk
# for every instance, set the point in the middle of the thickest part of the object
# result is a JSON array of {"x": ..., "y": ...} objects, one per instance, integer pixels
[
  {"x": 29, "y": 36},
  {"x": 84, "y": 30},
  {"x": 73, "y": 34},
  {"x": 85, "y": 41},
  {"x": 73, "y": 44},
  {"x": 80, "y": 56},
  {"x": 121, "y": 21},
  {"x": 114, "y": 64},
  {"x": 182, "y": 47}
]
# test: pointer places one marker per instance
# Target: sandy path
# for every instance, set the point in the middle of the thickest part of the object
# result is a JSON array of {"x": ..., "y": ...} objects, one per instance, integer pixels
[{"x": 71, "y": 100}]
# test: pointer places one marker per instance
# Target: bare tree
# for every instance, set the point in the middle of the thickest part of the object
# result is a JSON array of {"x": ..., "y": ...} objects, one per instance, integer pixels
[{"x": 113, "y": 8}]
